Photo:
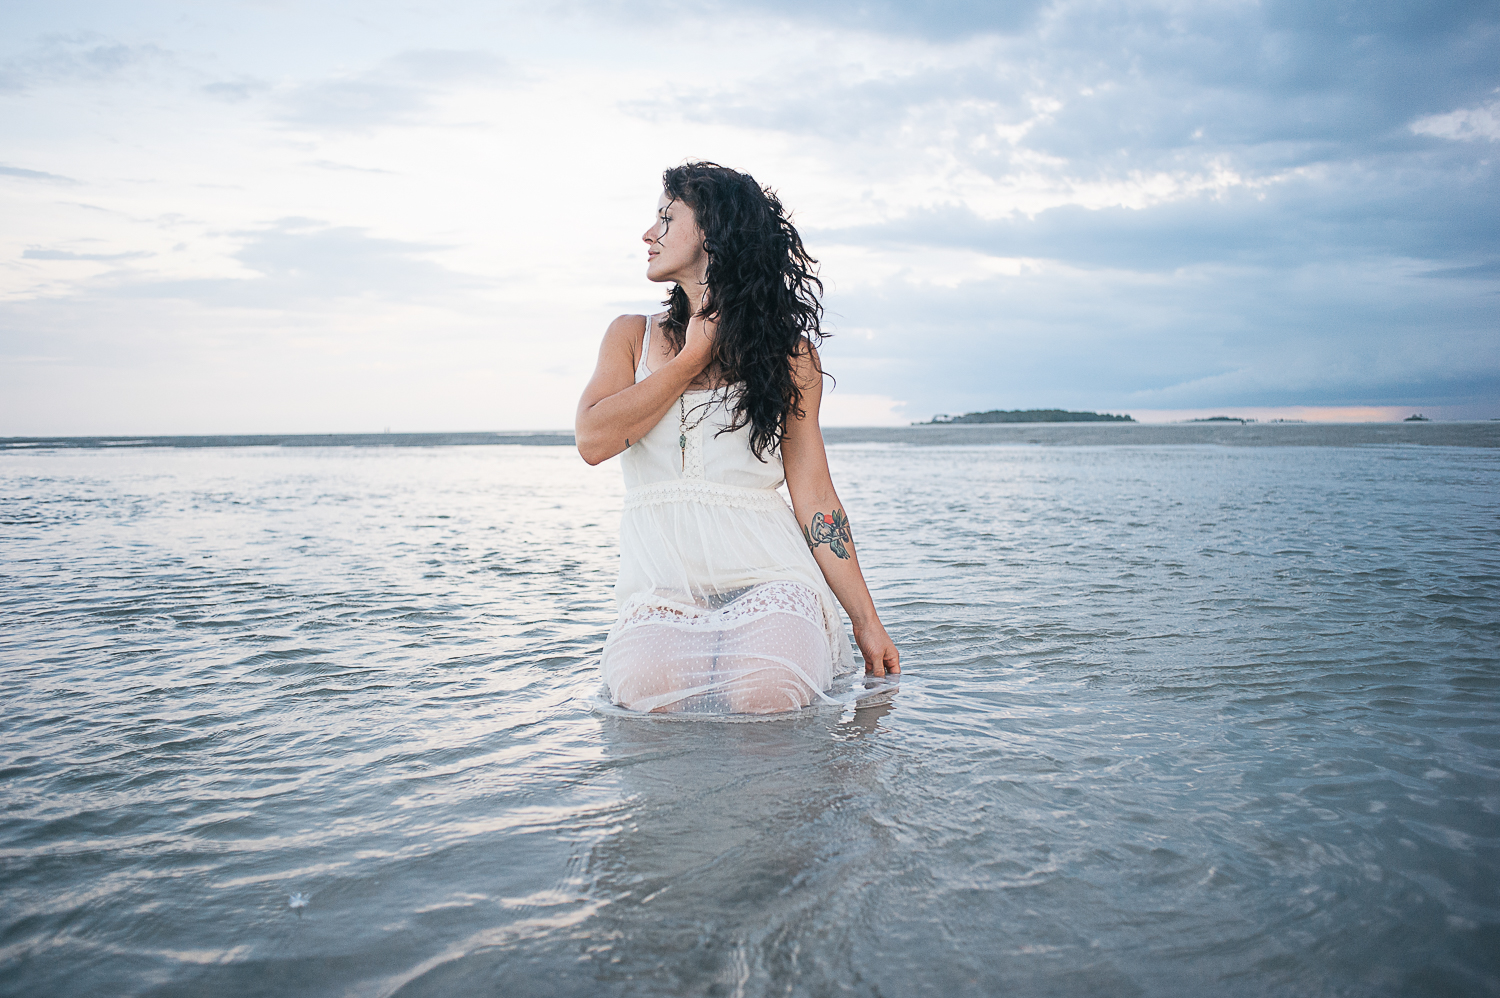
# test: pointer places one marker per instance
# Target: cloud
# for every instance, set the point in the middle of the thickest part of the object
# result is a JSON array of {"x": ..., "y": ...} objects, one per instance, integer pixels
[
  {"x": 235, "y": 90},
  {"x": 1464, "y": 125},
  {"x": 354, "y": 105},
  {"x": 83, "y": 57},
  {"x": 400, "y": 91},
  {"x": 15, "y": 171},
  {"x": 446, "y": 65},
  {"x": 1150, "y": 137},
  {"x": 304, "y": 263},
  {"x": 1479, "y": 271},
  {"x": 938, "y": 20},
  {"x": 935, "y": 19},
  {"x": 46, "y": 254},
  {"x": 324, "y": 164},
  {"x": 848, "y": 102},
  {"x": 843, "y": 409},
  {"x": 1112, "y": 90},
  {"x": 1422, "y": 212},
  {"x": 1320, "y": 334}
]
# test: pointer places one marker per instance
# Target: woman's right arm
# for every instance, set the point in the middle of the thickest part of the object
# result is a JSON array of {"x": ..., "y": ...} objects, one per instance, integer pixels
[{"x": 615, "y": 410}]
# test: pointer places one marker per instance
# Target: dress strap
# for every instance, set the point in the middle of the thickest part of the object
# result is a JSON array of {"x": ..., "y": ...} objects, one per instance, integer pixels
[{"x": 642, "y": 368}]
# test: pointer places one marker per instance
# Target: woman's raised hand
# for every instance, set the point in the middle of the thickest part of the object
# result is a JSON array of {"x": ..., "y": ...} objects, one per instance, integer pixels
[{"x": 698, "y": 344}]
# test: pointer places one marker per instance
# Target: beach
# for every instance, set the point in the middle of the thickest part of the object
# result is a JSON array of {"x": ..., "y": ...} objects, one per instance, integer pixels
[{"x": 1186, "y": 709}]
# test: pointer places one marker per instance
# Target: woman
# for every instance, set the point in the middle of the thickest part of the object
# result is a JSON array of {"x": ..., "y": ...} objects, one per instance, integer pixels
[{"x": 725, "y": 604}]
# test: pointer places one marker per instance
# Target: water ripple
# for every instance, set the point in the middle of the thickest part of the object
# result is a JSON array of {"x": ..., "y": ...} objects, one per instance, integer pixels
[{"x": 1177, "y": 720}]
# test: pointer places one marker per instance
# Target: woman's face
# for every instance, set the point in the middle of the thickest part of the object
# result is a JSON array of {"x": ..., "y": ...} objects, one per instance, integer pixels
[{"x": 674, "y": 245}]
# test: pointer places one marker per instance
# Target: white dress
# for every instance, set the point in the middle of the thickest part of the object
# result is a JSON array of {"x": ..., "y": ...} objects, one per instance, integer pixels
[{"x": 722, "y": 607}]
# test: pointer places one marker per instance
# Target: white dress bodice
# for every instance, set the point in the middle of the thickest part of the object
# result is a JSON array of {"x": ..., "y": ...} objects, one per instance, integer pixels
[{"x": 713, "y": 453}]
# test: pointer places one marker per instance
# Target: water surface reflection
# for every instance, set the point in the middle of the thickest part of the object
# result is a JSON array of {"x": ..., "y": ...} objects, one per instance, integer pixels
[{"x": 1178, "y": 720}]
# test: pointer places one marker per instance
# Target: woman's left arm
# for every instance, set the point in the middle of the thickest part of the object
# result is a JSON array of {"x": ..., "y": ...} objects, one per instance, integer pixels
[{"x": 825, "y": 526}]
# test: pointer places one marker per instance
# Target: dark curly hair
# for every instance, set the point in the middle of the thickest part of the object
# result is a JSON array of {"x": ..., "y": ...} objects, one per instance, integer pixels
[{"x": 762, "y": 291}]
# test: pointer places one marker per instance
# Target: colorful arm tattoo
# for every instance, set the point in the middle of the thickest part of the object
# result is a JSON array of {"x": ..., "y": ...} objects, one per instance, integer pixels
[{"x": 831, "y": 529}]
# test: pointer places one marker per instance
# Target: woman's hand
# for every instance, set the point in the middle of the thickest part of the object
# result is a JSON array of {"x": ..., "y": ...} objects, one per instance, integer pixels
[
  {"x": 878, "y": 649},
  {"x": 698, "y": 343}
]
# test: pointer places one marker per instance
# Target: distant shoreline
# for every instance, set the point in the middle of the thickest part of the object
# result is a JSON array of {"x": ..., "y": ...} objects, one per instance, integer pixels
[
  {"x": 1026, "y": 416},
  {"x": 1477, "y": 433},
  {"x": 525, "y": 438}
]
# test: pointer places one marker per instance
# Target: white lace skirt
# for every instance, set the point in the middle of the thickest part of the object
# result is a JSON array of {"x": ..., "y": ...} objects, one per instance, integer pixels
[{"x": 722, "y": 607}]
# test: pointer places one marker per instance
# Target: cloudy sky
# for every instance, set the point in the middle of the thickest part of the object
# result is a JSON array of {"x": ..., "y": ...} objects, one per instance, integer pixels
[{"x": 278, "y": 217}]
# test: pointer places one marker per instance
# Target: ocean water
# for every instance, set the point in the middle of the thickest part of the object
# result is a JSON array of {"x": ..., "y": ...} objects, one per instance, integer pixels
[{"x": 1175, "y": 720}]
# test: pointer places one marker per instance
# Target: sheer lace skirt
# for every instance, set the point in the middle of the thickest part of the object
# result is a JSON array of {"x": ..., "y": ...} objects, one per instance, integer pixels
[
  {"x": 722, "y": 607},
  {"x": 763, "y": 650}
]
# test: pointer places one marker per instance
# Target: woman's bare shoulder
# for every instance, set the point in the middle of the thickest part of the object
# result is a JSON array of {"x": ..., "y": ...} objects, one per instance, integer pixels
[
  {"x": 624, "y": 335},
  {"x": 626, "y": 325},
  {"x": 807, "y": 366}
]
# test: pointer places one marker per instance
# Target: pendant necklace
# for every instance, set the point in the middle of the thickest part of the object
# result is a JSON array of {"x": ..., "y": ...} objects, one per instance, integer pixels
[{"x": 683, "y": 426}]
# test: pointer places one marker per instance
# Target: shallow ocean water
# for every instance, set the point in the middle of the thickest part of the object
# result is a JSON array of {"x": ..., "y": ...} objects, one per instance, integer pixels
[{"x": 1175, "y": 720}]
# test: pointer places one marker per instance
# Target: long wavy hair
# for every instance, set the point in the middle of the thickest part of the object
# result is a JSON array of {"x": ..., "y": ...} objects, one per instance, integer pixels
[{"x": 763, "y": 292}]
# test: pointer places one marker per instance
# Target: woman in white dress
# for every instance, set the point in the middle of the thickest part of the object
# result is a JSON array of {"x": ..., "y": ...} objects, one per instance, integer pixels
[{"x": 726, "y": 595}]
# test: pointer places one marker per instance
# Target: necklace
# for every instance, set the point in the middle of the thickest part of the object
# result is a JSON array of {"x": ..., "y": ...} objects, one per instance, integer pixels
[{"x": 683, "y": 426}]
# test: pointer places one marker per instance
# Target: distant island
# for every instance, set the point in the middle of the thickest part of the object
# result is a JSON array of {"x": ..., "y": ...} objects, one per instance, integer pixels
[
  {"x": 1416, "y": 417},
  {"x": 1226, "y": 419},
  {"x": 1029, "y": 416}
]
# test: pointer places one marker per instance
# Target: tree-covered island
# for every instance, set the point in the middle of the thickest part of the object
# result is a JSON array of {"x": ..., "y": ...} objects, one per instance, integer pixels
[{"x": 1029, "y": 416}]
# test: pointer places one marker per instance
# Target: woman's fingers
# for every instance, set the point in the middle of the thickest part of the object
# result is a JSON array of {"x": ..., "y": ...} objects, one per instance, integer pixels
[
  {"x": 882, "y": 659},
  {"x": 699, "y": 340}
]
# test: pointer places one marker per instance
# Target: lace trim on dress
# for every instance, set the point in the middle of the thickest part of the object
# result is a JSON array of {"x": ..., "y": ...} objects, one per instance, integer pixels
[
  {"x": 705, "y": 493},
  {"x": 771, "y": 597},
  {"x": 677, "y": 610}
]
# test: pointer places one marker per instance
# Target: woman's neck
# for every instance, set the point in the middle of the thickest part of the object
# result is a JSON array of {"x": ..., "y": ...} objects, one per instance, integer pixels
[{"x": 695, "y": 293}]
